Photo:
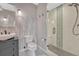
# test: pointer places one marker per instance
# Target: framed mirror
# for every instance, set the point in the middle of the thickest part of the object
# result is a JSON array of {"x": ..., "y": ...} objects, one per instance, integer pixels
[{"x": 7, "y": 18}]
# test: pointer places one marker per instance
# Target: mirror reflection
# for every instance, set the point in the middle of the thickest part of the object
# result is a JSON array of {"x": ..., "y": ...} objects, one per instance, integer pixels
[{"x": 7, "y": 18}]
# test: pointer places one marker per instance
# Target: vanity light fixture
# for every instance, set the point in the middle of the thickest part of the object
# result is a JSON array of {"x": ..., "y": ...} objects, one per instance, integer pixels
[
  {"x": 5, "y": 19},
  {"x": 19, "y": 12}
]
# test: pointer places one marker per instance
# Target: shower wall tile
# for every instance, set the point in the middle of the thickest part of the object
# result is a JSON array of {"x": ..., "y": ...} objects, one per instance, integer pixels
[
  {"x": 33, "y": 23},
  {"x": 42, "y": 25},
  {"x": 70, "y": 41},
  {"x": 52, "y": 23}
]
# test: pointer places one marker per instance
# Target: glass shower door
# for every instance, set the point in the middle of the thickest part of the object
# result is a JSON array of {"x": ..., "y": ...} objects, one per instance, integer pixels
[{"x": 55, "y": 27}]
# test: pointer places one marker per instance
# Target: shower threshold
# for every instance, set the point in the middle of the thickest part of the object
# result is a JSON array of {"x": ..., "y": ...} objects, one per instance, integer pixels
[{"x": 58, "y": 51}]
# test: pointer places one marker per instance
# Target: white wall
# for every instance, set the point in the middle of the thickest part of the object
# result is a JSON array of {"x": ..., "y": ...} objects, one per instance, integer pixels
[{"x": 70, "y": 42}]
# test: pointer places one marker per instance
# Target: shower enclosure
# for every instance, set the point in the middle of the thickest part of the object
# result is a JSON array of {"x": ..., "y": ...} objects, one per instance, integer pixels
[
  {"x": 55, "y": 27},
  {"x": 63, "y": 22}
]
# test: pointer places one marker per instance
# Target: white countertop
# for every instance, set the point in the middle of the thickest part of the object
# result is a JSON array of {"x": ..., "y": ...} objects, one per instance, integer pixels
[{"x": 7, "y": 36}]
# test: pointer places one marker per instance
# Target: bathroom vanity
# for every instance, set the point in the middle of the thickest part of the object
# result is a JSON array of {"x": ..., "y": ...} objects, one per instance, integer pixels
[
  {"x": 8, "y": 42},
  {"x": 9, "y": 47}
]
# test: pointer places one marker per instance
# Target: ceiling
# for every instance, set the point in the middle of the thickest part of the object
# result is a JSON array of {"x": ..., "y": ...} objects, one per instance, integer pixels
[
  {"x": 7, "y": 6},
  {"x": 50, "y": 5},
  {"x": 13, "y": 8},
  {"x": 53, "y": 5}
]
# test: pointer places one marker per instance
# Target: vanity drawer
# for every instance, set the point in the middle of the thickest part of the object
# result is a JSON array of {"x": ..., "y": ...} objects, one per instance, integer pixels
[
  {"x": 8, "y": 43},
  {"x": 6, "y": 52},
  {"x": 15, "y": 51}
]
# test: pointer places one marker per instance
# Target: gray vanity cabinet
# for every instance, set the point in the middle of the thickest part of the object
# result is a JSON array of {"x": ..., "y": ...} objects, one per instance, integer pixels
[{"x": 9, "y": 47}]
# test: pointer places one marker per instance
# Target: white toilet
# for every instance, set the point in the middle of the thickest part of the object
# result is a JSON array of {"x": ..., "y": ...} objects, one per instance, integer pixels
[{"x": 31, "y": 46}]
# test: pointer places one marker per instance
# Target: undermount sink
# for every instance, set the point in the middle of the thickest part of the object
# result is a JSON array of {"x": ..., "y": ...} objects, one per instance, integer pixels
[{"x": 7, "y": 36}]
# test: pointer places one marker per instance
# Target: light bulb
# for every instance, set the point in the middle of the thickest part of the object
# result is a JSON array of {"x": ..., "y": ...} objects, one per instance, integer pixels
[
  {"x": 5, "y": 19},
  {"x": 19, "y": 12}
]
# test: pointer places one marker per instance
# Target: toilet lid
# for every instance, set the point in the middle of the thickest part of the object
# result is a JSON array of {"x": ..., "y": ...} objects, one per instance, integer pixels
[{"x": 32, "y": 45}]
